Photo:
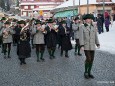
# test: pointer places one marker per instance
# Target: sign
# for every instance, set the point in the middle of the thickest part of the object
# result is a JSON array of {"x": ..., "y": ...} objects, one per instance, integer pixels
[{"x": 41, "y": 12}]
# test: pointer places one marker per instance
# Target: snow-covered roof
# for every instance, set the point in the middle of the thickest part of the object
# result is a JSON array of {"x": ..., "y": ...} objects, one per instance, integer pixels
[
  {"x": 82, "y": 2},
  {"x": 42, "y": 9},
  {"x": 38, "y": 3}
]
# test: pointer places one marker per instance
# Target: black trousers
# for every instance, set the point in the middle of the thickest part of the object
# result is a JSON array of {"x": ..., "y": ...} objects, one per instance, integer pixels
[
  {"x": 40, "y": 47},
  {"x": 107, "y": 29},
  {"x": 0, "y": 40},
  {"x": 5, "y": 47},
  {"x": 89, "y": 55}
]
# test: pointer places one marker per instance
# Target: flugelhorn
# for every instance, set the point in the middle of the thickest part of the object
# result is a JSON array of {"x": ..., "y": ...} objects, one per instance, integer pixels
[
  {"x": 55, "y": 27},
  {"x": 6, "y": 31},
  {"x": 27, "y": 25},
  {"x": 43, "y": 29}
]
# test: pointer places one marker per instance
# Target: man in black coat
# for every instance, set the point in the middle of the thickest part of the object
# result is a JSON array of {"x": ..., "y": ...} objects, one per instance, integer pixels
[
  {"x": 64, "y": 33},
  {"x": 51, "y": 38}
]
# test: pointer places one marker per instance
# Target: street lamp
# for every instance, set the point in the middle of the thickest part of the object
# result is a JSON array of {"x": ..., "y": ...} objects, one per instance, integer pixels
[
  {"x": 73, "y": 7},
  {"x": 87, "y": 6},
  {"x": 103, "y": 8},
  {"x": 79, "y": 7}
]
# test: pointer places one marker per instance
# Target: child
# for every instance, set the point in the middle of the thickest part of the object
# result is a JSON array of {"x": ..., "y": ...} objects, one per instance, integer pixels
[{"x": 107, "y": 23}]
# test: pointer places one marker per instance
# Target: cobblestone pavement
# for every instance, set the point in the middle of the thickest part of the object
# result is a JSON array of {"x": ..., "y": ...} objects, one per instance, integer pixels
[{"x": 58, "y": 72}]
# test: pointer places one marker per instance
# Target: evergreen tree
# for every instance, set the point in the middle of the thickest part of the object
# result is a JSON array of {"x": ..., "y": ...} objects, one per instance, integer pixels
[
  {"x": 2, "y": 4},
  {"x": 17, "y": 3},
  {"x": 7, "y": 5}
]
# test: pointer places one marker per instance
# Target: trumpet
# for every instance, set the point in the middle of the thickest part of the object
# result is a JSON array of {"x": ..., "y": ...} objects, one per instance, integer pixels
[
  {"x": 55, "y": 27},
  {"x": 42, "y": 29},
  {"x": 6, "y": 32}
]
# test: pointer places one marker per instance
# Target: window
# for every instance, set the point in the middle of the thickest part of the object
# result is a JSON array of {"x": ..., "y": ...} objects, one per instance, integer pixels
[
  {"x": 32, "y": 7},
  {"x": 24, "y": 13},
  {"x": 25, "y": 7}
]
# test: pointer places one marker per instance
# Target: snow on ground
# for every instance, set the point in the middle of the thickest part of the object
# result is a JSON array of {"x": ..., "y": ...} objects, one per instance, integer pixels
[{"x": 107, "y": 40}]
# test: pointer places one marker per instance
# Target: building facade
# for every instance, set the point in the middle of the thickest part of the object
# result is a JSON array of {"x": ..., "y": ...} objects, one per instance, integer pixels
[
  {"x": 98, "y": 7},
  {"x": 38, "y": 8}
]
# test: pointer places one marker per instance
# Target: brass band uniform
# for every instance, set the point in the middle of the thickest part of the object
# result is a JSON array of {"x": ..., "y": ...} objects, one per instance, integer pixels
[
  {"x": 76, "y": 28},
  {"x": 88, "y": 40},
  {"x": 38, "y": 40},
  {"x": 51, "y": 38},
  {"x": 64, "y": 33},
  {"x": 6, "y": 34},
  {"x": 23, "y": 48},
  {"x": 3, "y": 20}
]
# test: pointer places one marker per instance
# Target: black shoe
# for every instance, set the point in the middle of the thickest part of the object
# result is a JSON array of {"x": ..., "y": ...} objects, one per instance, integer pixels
[
  {"x": 9, "y": 56},
  {"x": 2, "y": 51},
  {"x": 38, "y": 60},
  {"x": 24, "y": 62},
  {"x": 42, "y": 59},
  {"x": 51, "y": 57},
  {"x": 4, "y": 56},
  {"x": 91, "y": 76},
  {"x": 79, "y": 54},
  {"x": 86, "y": 76},
  {"x": 75, "y": 53},
  {"x": 33, "y": 47},
  {"x": 21, "y": 63},
  {"x": 66, "y": 56},
  {"x": 14, "y": 44},
  {"x": 61, "y": 55}
]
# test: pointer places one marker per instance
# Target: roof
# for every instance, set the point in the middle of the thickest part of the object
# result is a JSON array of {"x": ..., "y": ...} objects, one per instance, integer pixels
[
  {"x": 83, "y": 2},
  {"x": 42, "y": 9},
  {"x": 38, "y": 3}
]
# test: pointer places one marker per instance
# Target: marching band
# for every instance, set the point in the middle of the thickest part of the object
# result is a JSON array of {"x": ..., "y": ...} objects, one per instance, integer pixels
[{"x": 40, "y": 34}]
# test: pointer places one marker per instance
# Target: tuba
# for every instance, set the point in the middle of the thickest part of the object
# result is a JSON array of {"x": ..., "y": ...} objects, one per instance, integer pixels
[{"x": 23, "y": 32}]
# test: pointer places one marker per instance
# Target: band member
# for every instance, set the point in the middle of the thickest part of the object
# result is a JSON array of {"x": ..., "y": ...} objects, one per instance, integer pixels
[
  {"x": 51, "y": 38},
  {"x": 38, "y": 40},
  {"x": 17, "y": 30},
  {"x": 23, "y": 48},
  {"x": 64, "y": 33},
  {"x": 7, "y": 33},
  {"x": 3, "y": 20},
  {"x": 75, "y": 28},
  {"x": 32, "y": 25},
  {"x": 88, "y": 40},
  {"x": 14, "y": 23}
]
